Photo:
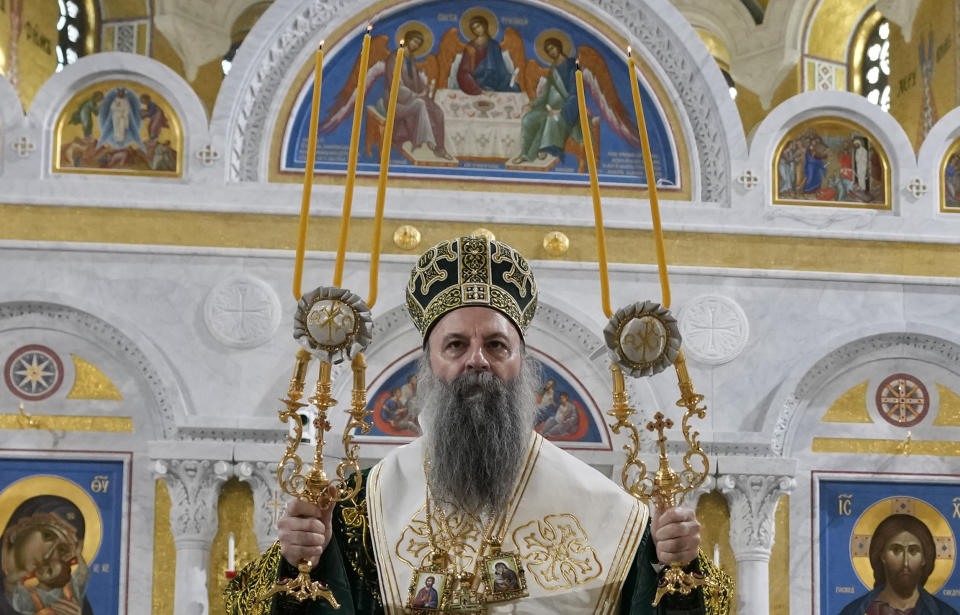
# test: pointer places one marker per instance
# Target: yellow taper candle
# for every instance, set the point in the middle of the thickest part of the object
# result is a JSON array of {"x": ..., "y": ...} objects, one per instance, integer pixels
[
  {"x": 352, "y": 158},
  {"x": 651, "y": 181},
  {"x": 595, "y": 191},
  {"x": 385, "y": 146},
  {"x": 308, "y": 173}
]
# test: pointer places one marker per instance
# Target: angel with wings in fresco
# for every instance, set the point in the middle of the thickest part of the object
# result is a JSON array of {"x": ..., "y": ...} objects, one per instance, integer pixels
[
  {"x": 474, "y": 86},
  {"x": 419, "y": 119},
  {"x": 480, "y": 64},
  {"x": 550, "y": 125}
]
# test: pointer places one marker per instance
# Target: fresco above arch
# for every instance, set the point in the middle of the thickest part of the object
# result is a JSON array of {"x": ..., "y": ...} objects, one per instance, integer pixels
[
  {"x": 566, "y": 413},
  {"x": 118, "y": 127},
  {"x": 831, "y": 162},
  {"x": 487, "y": 92}
]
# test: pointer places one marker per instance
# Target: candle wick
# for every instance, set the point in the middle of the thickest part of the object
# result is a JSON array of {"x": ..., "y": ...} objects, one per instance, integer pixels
[
  {"x": 369, "y": 28},
  {"x": 629, "y": 52},
  {"x": 320, "y": 46},
  {"x": 578, "y": 63}
]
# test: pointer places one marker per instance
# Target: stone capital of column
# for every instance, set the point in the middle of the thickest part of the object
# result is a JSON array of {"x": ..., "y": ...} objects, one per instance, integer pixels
[
  {"x": 194, "y": 487},
  {"x": 753, "y": 504}
]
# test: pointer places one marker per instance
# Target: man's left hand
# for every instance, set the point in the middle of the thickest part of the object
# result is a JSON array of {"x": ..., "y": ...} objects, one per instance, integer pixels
[{"x": 676, "y": 534}]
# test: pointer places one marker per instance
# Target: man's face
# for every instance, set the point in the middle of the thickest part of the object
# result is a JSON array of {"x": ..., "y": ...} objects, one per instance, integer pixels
[
  {"x": 903, "y": 562},
  {"x": 414, "y": 43},
  {"x": 475, "y": 339},
  {"x": 552, "y": 51},
  {"x": 429, "y": 582}
]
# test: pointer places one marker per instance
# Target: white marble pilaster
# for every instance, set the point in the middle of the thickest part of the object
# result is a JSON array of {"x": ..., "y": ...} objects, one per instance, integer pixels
[
  {"x": 194, "y": 487},
  {"x": 753, "y": 503},
  {"x": 268, "y": 499}
]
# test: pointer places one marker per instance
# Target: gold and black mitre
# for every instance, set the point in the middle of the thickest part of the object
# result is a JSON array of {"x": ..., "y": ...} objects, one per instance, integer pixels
[{"x": 469, "y": 271}]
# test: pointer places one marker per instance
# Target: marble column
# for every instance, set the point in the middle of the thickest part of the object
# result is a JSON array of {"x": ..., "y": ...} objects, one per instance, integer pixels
[
  {"x": 194, "y": 487},
  {"x": 753, "y": 502},
  {"x": 268, "y": 499}
]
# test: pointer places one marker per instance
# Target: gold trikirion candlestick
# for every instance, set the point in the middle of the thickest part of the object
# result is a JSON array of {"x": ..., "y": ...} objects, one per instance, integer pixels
[
  {"x": 332, "y": 324},
  {"x": 644, "y": 339}
]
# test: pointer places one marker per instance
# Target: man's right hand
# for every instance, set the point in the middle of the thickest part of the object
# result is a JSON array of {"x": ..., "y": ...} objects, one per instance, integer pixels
[{"x": 304, "y": 531}]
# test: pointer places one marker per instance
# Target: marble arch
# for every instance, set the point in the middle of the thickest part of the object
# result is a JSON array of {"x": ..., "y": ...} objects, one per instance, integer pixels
[
  {"x": 49, "y": 311},
  {"x": 288, "y": 32},
  {"x": 60, "y": 87},
  {"x": 912, "y": 340}
]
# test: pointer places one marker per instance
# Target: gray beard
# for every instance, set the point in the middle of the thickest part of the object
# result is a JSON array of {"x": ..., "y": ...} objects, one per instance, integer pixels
[{"x": 479, "y": 427}]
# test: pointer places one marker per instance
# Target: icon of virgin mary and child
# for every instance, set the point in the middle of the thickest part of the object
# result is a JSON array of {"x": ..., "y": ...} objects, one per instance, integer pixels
[{"x": 43, "y": 570}]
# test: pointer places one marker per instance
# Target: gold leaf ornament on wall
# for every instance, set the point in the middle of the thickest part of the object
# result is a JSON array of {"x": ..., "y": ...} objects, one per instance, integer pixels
[{"x": 91, "y": 383}]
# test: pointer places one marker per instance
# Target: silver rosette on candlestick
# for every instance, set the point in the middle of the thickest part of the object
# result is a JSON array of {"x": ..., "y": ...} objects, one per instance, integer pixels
[
  {"x": 332, "y": 324},
  {"x": 643, "y": 338}
]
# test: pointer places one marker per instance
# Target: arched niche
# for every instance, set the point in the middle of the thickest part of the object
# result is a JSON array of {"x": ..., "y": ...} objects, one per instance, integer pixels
[
  {"x": 60, "y": 97},
  {"x": 838, "y": 395},
  {"x": 852, "y": 111}
]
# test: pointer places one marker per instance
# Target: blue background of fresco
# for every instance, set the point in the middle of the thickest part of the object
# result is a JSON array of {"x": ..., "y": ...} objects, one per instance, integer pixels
[
  {"x": 399, "y": 378},
  {"x": 836, "y": 530},
  {"x": 339, "y": 62}
]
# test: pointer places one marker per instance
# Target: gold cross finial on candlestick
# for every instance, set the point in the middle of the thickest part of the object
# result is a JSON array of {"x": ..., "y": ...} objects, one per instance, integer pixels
[
  {"x": 658, "y": 424},
  {"x": 666, "y": 483}
]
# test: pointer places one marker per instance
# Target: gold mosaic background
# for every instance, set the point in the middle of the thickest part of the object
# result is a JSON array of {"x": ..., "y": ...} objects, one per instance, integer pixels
[
  {"x": 164, "y": 553},
  {"x": 714, "y": 516},
  {"x": 235, "y": 514},
  {"x": 36, "y": 45},
  {"x": 937, "y": 19}
]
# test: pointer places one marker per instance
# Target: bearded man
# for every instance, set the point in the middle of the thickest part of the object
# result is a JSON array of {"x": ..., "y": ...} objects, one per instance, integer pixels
[
  {"x": 902, "y": 555},
  {"x": 480, "y": 486}
]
